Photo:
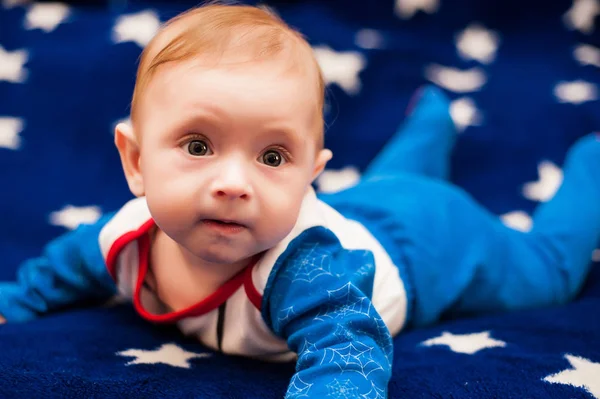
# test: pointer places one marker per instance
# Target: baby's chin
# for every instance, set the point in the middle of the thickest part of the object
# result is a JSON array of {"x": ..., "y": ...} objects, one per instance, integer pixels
[{"x": 224, "y": 257}]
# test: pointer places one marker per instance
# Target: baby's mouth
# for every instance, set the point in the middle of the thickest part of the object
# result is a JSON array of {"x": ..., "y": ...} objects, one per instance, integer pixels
[
  {"x": 224, "y": 226},
  {"x": 224, "y": 222}
]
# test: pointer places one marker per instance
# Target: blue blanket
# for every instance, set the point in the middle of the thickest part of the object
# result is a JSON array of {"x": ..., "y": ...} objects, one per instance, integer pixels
[{"x": 523, "y": 77}]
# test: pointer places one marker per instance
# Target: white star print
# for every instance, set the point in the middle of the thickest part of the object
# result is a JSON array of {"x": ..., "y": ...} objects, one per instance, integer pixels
[
  {"x": 550, "y": 179},
  {"x": 368, "y": 39},
  {"x": 587, "y": 55},
  {"x": 517, "y": 220},
  {"x": 331, "y": 181},
  {"x": 596, "y": 255},
  {"x": 71, "y": 216},
  {"x": 169, "y": 354},
  {"x": 405, "y": 9},
  {"x": 9, "y": 132},
  {"x": 454, "y": 79},
  {"x": 584, "y": 374},
  {"x": 14, "y": 3},
  {"x": 341, "y": 68},
  {"x": 464, "y": 113},
  {"x": 466, "y": 343},
  {"x": 46, "y": 16},
  {"x": 11, "y": 65},
  {"x": 581, "y": 15},
  {"x": 139, "y": 28},
  {"x": 477, "y": 43},
  {"x": 575, "y": 92}
]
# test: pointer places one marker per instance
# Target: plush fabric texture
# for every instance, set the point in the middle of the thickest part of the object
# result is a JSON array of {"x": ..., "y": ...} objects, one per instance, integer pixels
[{"x": 66, "y": 78}]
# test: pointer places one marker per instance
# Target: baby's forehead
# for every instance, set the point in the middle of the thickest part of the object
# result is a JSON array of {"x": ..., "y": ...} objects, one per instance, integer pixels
[
  {"x": 265, "y": 90},
  {"x": 271, "y": 74}
]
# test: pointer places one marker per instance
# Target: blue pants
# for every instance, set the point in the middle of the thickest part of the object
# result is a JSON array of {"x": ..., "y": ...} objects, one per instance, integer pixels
[{"x": 457, "y": 256}]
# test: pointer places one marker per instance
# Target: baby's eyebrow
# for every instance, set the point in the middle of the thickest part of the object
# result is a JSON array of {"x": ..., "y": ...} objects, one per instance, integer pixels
[
  {"x": 281, "y": 132},
  {"x": 193, "y": 121}
]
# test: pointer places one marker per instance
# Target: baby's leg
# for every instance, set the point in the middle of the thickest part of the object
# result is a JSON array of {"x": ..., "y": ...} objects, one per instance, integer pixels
[
  {"x": 476, "y": 264},
  {"x": 422, "y": 144}
]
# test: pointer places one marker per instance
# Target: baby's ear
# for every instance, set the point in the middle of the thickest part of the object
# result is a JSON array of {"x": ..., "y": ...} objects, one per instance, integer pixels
[
  {"x": 129, "y": 150},
  {"x": 321, "y": 161}
]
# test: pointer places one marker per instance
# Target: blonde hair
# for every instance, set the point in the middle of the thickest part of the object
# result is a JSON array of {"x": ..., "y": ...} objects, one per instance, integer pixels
[{"x": 213, "y": 29}]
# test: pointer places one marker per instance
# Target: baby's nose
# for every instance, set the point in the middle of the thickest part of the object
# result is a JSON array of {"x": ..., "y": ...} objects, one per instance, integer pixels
[
  {"x": 232, "y": 183},
  {"x": 231, "y": 191}
]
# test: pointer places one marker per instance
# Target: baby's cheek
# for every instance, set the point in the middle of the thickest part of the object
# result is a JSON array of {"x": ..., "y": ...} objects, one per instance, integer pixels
[
  {"x": 167, "y": 181},
  {"x": 282, "y": 216},
  {"x": 162, "y": 210},
  {"x": 167, "y": 202}
]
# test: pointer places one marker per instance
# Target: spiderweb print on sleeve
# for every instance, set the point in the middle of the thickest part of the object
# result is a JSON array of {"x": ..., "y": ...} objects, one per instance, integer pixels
[
  {"x": 353, "y": 357},
  {"x": 366, "y": 261},
  {"x": 310, "y": 262},
  {"x": 284, "y": 315},
  {"x": 308, "y": 348},
  {"x": 383, "y": 338},
  {"x": 343, "y": 334},
  {"x": 298, "y": 388},
  {"x": 342, "y": 389},
  {"x": 374, "y": 393},
  {"x": 345, "y": 301}
]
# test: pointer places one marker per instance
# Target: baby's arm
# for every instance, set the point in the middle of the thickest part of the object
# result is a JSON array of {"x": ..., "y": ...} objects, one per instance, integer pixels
[
  {"x": 71, "y": 269},
  {"x": 319, "y": 301}
]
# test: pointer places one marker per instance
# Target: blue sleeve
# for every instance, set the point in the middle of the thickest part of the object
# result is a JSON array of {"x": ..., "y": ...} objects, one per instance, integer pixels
[
  {"x": 318, "y": 299},
  {"x": 71, "y": 269}
]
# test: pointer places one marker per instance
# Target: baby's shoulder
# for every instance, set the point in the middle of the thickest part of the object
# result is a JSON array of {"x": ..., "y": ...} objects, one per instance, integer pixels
[{"x": 125, "y": 226}]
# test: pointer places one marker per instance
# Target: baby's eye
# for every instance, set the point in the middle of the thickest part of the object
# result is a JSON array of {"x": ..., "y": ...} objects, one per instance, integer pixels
[
  {"x": 198, "y": 148},
  {"x": 272, "y": 158}
]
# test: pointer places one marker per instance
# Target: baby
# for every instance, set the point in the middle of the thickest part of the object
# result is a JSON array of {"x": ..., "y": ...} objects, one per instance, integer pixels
[{"x": 227, "y": 239}]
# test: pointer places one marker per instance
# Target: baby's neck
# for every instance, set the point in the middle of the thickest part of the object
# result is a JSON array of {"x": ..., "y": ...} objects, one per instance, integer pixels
[{"x": 181, "y": 279}]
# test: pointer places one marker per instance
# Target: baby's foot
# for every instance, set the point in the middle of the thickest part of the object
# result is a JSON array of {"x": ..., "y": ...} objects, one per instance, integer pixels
[
  {"x": 428, "y": 119},
  {"x": 423, "y": 142},
  {"x": 585, "y": 155},
  {"x": 587, "y": 147},
  {"x": 412, "y": 103},
  {"x": 427, "y": 97}
]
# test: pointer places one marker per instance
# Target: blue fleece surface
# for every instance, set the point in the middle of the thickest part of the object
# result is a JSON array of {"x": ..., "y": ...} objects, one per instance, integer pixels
[{"x": 534, "y": 98}]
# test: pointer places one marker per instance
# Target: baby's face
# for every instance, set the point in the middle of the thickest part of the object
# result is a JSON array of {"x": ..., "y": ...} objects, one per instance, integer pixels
[{"x": 227, "y": 145}]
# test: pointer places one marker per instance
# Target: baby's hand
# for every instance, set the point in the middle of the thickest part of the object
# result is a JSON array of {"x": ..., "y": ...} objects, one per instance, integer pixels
[{"x": 2, "y": 320}]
